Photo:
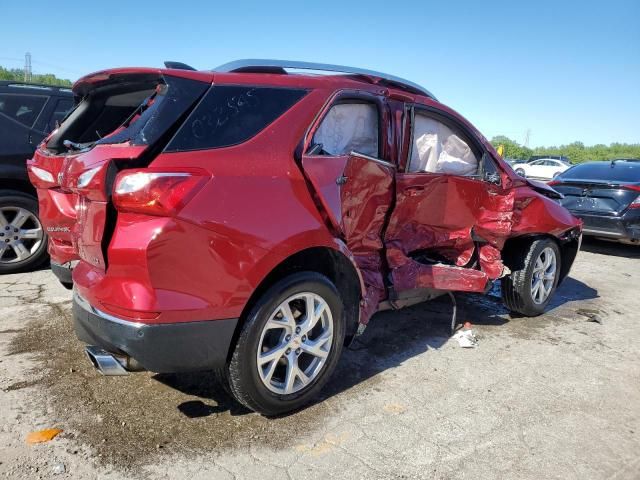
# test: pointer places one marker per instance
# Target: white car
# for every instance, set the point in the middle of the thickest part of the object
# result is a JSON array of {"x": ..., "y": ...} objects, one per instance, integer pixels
[{"x": 542, "y": 169}]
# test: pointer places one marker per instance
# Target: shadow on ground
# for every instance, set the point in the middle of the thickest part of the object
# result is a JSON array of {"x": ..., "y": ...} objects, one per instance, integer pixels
[
  {"x": 128, "y": 421},
  {"x": 391, "y": 338}
]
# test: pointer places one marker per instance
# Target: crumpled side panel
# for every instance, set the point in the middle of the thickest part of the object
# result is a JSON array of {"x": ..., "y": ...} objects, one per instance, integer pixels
[
  {"x": 366, "y": 197},
  {"x": 490, "y": 261},
  {"x": 495, "y": 222},
  {"x": 495, "y": 217},
  {"x": 447, "y": 215},
  {"x": 322, "y": 172},
  {"x": 354, "y": 194},
  {"x": 410, "y": 274}
]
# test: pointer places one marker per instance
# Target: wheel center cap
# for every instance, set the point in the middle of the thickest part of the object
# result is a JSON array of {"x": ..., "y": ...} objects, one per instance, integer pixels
[{"x": 295, "y": 342}]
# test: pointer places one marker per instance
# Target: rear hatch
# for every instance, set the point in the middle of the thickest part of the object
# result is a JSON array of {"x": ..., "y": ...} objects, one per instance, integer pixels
[{"x": 124, "y": 118}]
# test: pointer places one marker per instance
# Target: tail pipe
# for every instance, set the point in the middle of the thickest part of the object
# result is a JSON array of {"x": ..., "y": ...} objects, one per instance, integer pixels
[{"x": 111, "y": 364}]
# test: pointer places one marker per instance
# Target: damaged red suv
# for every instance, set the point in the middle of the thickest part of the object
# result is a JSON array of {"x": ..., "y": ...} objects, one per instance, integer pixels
[{"x": 251, "y": 220}]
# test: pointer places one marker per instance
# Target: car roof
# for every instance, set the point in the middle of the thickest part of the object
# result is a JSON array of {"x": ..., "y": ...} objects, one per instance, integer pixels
[
  {"x": 282, "y": 66},
  {"x": 269, "y": 72},
  {"x": 21, "y": 87}
]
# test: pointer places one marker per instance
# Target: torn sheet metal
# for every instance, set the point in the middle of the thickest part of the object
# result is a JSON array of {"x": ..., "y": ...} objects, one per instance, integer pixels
[
  {"x": 413, "y": 275},
  {"x": 355, "y": 193},
  {"x": 452, "y": 217}
]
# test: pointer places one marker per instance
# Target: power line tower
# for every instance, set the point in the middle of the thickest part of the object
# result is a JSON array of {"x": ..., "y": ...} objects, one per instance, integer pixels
[
  {"x": 526, "y": 137},
  {"x": 27, "y": 67}
]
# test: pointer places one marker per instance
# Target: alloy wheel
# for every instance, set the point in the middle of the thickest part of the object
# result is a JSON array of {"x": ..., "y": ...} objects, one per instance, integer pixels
[
  {"x": 544, "y": 275},
  {"x": 21, "y": 234},
  {"x": 295, "y": 343}
]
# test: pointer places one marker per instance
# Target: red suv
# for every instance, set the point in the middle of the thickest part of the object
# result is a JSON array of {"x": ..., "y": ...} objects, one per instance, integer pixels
[{"x": 251, "y": 220}]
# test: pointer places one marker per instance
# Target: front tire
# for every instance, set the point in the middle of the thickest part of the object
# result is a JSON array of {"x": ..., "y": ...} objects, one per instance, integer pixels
[
  {"x": 23, "y": 241},
  {"x": 529, "y": 289},
  {"x": 520, "y": 172},
  {"x": 289, "y": 345}
]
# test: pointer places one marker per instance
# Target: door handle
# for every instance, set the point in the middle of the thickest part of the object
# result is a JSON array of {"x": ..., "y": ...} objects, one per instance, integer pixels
[{"x": 341, "y": 180}]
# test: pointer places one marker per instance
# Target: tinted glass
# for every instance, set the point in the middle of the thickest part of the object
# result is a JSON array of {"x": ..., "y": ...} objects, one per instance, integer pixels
[
  {"x": 62, "y": 107},
  {"x": 619, "y": 172},
  {"x": 229, "y": 115},
  {"x": 22, "y": 108}
]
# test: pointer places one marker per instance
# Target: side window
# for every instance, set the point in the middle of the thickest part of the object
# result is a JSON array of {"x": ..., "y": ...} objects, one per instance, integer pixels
[
  {"x": 349, "y": 127},
  {"x": 437, "y": 148},
  {"x": 230, "y": 114},
  {"x": 63, "y": 105},
  {"x": 22, "y": 108}
]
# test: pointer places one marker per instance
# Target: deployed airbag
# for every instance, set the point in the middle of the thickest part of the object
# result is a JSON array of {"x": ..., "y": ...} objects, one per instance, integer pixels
[
  {"x": 349, "y": 127},
  {"x": 437, "y": 149}
]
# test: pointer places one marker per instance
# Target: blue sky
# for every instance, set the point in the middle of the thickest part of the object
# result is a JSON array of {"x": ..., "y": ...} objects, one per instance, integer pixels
[{"x": 565, "y": 70}]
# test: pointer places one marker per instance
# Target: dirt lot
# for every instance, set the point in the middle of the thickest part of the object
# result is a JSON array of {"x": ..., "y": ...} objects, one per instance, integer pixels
[{"x": 552, "y": 397}]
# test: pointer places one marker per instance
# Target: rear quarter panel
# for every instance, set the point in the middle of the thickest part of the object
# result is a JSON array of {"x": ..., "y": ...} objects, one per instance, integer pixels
[{"x": 255, "y": 211}]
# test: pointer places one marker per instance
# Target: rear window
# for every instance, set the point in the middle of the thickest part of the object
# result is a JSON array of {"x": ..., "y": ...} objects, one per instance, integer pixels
[
  {"x": 22, "y": 108},
  {"x": 606, "y": 171},
  {"x": 229, "y": 115}
]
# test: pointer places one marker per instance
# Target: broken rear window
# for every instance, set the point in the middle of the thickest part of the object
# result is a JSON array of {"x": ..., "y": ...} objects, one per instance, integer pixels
[{"x": 135, "y": 109}]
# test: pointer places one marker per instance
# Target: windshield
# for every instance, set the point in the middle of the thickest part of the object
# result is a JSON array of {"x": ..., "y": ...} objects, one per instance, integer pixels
[{"x": 610, "y": 172}]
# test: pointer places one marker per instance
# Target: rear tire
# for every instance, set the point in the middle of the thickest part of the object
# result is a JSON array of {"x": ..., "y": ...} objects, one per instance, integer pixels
[
  {"x": 528, "y": 290},
  {"x": 295, "y": 375},
  {"x": 520, "y": 172},
  {"x": 15, "y": 206}
]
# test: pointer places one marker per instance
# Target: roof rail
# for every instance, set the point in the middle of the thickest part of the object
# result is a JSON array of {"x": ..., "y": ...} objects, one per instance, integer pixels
[
  {"x": 40, "y": 86},
  {"x": 279, "y": 66}
]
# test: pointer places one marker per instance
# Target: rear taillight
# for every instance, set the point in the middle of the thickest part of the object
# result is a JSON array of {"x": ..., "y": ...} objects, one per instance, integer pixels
[
  {"x": 41, "y": 178},
  {"x": 155, "y": 193},
  {"x": 553, "y": 183},
  {"x": 636, "y": 202},
  {"x": 85, "y": 179}
]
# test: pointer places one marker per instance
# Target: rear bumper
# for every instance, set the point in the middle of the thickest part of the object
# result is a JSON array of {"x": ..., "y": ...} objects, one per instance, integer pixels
[
  {"x": 626, "y": 227},
  {"x": 161, "y": 348}
]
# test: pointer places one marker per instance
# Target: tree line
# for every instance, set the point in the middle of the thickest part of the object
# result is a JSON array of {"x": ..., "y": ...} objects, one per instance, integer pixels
[
  {"x": 17, "y": 75},
  {"x": 576, "y": 152}
]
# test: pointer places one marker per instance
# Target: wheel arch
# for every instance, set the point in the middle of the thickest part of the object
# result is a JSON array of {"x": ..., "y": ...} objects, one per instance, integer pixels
[
  {"x": 334, "y": 263},
  {"x": 568, "y": 244}
]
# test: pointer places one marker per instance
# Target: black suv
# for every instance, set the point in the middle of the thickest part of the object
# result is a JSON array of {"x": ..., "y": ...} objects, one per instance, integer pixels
[{"x": 28, "y": 113}]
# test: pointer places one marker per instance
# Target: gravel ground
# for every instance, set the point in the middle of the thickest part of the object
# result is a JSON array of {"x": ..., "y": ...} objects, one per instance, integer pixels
[{"x": 557, "y": 396}]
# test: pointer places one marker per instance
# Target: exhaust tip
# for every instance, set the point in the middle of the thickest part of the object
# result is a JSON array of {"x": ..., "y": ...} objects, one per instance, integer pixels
[{"x": 106, "y": 363}]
